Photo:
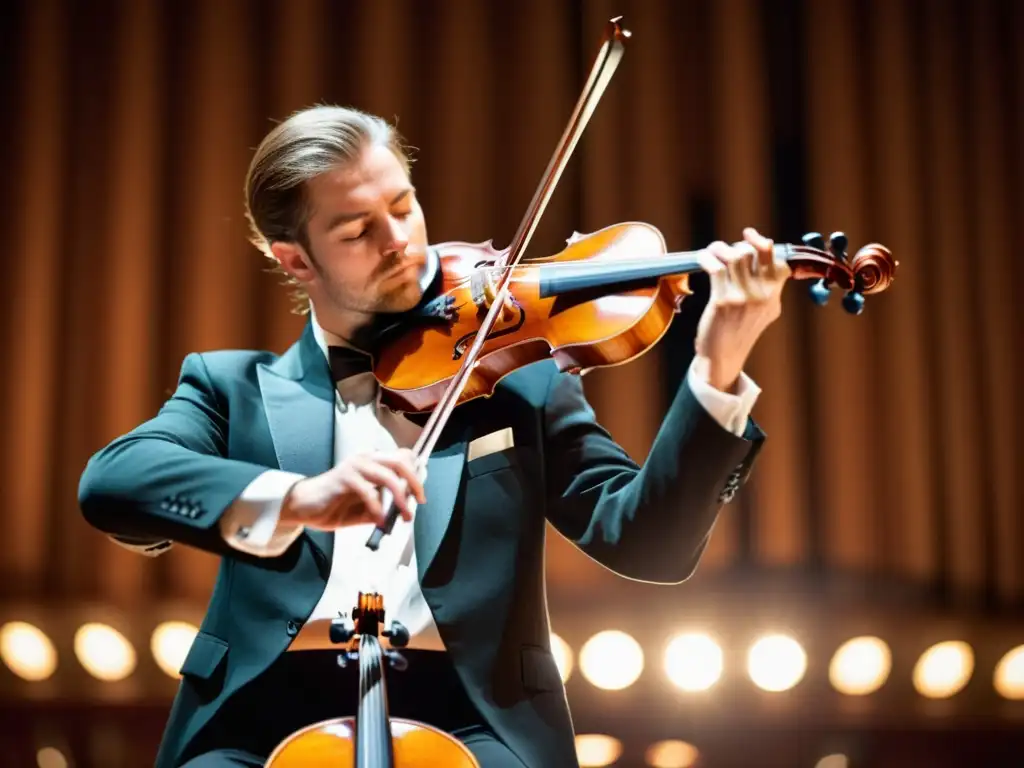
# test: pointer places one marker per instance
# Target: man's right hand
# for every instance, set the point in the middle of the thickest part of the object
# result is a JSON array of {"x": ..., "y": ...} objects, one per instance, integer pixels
[{"x": 349, "y": 493}]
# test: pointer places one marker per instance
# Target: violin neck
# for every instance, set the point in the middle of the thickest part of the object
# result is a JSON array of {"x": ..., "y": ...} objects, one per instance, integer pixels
[
  {"x": 561, "y": 278},
  {"x": 373, "y": 726}
]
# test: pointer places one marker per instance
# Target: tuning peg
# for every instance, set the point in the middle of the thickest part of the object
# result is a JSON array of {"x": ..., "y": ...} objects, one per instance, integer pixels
[
  {"x": 345, "y": 657},
  {"x": 397, "y": 634},
  {"x": 397, "y": 661},
  {"x": 853, "y": 302},
  {"x": 820, "y": 292},
  {"x": 342, "y": 630},
  {"x": 814, "y": 240},
  {"x": 837, "y": 245}
]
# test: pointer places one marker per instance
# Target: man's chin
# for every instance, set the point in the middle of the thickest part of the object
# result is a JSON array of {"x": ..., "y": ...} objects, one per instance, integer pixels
[{"x": 401, "y": 299}]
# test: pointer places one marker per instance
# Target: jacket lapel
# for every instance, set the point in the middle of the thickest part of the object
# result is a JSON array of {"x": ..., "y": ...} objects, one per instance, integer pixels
[
  {"x": 298, "y": 399},
  {"x": 444, "y": 477}
]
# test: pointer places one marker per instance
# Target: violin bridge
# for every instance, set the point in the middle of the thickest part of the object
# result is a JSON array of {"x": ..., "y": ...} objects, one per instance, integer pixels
[{"x": 478, "y": 288}]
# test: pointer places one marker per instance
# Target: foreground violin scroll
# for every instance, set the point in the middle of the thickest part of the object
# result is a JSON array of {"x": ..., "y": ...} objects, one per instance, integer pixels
[
  {"x": 371, "y": 739},
  {"x": 605, "y": 64}
]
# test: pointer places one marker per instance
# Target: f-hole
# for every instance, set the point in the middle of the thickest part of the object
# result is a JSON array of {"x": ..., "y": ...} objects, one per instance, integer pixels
[{"x": 462, "y": 344}]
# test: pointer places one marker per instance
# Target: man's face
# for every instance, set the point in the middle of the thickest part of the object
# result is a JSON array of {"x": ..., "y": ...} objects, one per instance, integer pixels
[{"x": 367, "y": 237}]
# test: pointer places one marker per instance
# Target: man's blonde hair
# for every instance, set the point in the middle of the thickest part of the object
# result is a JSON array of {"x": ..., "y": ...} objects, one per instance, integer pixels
[{"x": 310, "y": 142}]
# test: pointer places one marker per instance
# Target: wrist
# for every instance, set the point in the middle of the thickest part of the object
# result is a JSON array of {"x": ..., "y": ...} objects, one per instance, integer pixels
[
  {"x": 720, "y": 374},
  {"x": 289, "y": 506}
]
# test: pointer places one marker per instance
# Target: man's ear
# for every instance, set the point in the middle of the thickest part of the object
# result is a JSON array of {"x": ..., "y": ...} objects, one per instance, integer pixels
[{"x": 294, "y": 260}]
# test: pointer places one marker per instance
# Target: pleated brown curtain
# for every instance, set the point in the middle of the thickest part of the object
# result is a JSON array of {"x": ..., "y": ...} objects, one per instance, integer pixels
[{"x": 893, "y": 436}]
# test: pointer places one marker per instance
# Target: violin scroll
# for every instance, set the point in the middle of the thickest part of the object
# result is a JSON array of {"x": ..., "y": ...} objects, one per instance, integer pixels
[{"x": 871, "y": 270}]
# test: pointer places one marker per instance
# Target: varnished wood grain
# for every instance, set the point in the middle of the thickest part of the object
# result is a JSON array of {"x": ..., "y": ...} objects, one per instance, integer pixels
[{"x": 332, "y": 744}]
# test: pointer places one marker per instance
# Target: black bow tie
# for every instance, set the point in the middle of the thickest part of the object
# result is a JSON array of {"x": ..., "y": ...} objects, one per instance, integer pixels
[{"x": 346, "y": 362}]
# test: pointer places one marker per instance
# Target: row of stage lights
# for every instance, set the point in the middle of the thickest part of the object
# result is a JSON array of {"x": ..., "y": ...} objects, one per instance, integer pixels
[
  {"x": 610, "y": 660},
  {"x": 613, "y": 660}
]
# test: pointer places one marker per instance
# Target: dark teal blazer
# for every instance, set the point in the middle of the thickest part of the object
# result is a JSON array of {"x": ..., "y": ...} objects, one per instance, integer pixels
[{"x": 480, "y": 537}]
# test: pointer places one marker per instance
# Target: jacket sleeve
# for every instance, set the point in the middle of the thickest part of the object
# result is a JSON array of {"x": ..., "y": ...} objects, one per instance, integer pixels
[
  {"x": 648, "y": 523},
  {"x": 169, "y": 479}
]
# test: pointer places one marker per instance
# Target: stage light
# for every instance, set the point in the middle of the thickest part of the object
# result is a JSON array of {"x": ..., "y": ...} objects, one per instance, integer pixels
[
  {"x": 104, "y": 652},
  {"x": 27, "y": 651},
  {"x": 594, "y": 750},
  {"x": 860, "y": 666},
  {"x": 563, "y": 656},
  {"x": 671, "y": 754},
  {"x": 611, "y": 660},
  {"x": 1009, "y": 674},
  {"x": 693, "y": 662},
  {"x": 944, "y": 669},
  {"x": 170, "y": 645},
  {"x": 776, "y": 663},
  {"x": 51, "y": 757}
]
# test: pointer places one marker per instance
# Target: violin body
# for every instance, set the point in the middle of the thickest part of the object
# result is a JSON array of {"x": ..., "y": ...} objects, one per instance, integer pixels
[
  {"x": 332, "y": 744},
  {"x": 579, "y": 329}
]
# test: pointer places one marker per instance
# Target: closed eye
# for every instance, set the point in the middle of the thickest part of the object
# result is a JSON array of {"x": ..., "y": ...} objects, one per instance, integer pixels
[{"x": 397, "y": 214}]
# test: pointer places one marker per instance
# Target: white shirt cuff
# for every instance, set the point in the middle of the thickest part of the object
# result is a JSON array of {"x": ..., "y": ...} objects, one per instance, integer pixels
[
  {"x": 731, "y": 411},
  {"x": 250, "y": 524}
]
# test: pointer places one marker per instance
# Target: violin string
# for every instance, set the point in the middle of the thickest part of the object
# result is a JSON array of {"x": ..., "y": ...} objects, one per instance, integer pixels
[
  {"x": 461, "y": 283},
  {"x": 575, "y": 265},
  {"x": 784, "y": 251},
  {"x": 781, "y": 250},
  {"x": 373, "y": 728}
]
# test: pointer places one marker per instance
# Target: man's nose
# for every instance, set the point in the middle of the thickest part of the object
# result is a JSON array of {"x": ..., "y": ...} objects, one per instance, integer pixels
[{"x": 398, "y": 238}]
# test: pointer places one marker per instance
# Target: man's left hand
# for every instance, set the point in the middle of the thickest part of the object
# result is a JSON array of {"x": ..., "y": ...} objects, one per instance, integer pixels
[{"x": 746, "y": 297}]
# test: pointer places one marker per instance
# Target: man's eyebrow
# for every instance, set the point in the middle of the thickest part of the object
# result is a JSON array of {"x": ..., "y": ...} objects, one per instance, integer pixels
[{"x": 345, "y": 218}]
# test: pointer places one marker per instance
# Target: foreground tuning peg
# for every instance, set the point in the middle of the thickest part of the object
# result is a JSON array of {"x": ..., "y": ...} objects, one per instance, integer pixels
[
  {"x": 342, "y": 629},
  {"x": 397, "y": 661},
  {"x": 397, "y": 634}
]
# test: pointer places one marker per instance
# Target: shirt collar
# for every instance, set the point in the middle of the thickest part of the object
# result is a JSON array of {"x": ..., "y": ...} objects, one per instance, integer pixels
[
  {"x": 318, "y": 333},
  {"x": 325, "y": 338},
  {"x": 358, "y": 389}
]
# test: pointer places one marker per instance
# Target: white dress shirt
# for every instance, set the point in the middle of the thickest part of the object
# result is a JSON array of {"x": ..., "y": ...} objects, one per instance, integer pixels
[{"x": 362, "y": 424}]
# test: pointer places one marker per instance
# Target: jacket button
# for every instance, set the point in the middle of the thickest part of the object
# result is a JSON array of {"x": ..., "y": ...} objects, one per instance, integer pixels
[{"x": 293, "y": 628}]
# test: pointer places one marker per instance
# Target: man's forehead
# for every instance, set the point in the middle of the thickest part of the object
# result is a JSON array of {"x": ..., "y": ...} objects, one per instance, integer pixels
[
  {"x": 362, "y": 181},
  {"x": 374, "y": 163}
]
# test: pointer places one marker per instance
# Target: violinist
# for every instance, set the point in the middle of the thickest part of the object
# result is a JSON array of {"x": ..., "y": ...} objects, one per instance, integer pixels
[{"x": 276, "y": 463}]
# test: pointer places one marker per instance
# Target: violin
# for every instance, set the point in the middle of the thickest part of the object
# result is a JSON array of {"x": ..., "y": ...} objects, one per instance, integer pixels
[
  {"x": 371, "y": 739},
  {"x": 605, "y": 299}
]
